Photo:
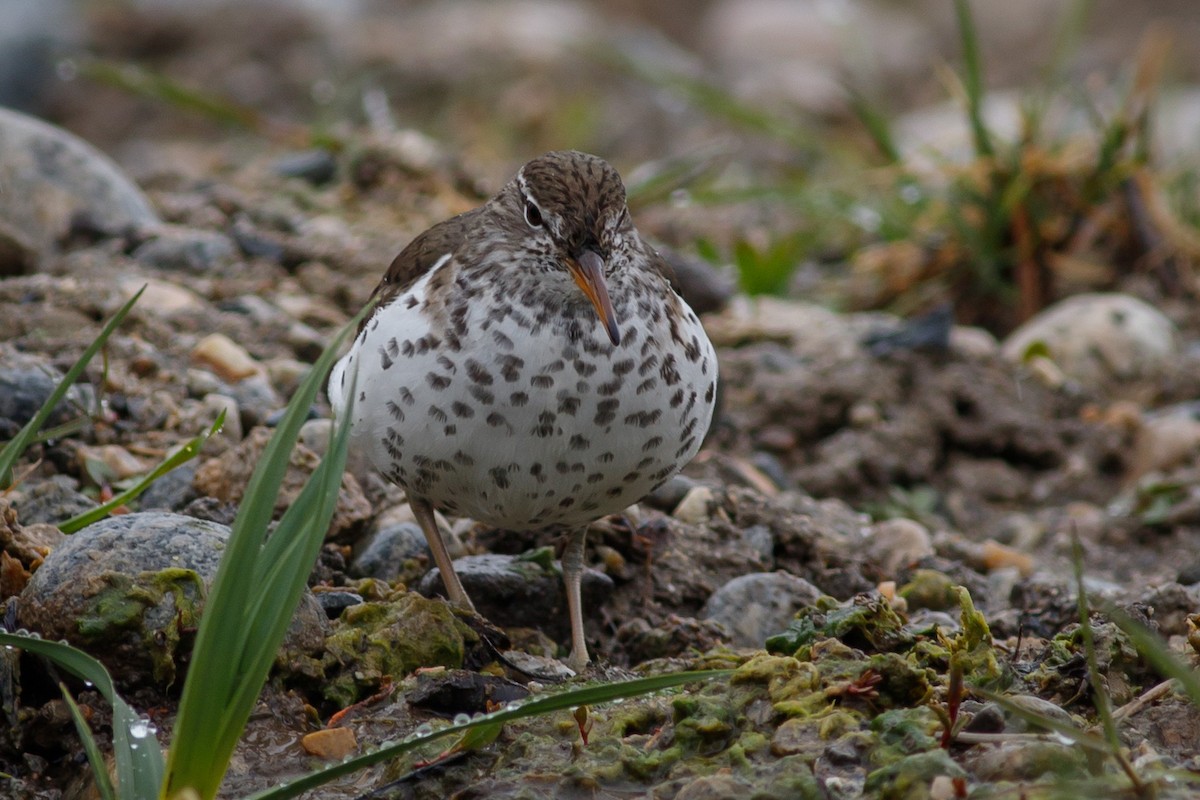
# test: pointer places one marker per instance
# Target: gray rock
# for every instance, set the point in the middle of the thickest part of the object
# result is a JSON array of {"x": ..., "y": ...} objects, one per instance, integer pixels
[
  {"x": 26, "y": 383},
  {"x": 171, "y": 492},
  {"x": 334, "y": 603},
  {"x": 177, "y": 249},
  {"x": 318, "y": 167},
  {"x": 518, "y": 592},
  {"x": 51, "y": 501},
  {"x": 755, "y": 606},
  {"x": 382, "y": 553},
  {"x": 129, "y": 590},
  {"x": 51, "y": 177}
]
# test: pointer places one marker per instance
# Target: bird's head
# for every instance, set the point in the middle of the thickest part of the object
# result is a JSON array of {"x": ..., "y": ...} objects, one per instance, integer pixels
[{"x": 573, "y": 208}]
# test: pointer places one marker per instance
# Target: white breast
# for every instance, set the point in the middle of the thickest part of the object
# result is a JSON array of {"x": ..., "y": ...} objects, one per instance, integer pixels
[{"x": 516, "y": 425}]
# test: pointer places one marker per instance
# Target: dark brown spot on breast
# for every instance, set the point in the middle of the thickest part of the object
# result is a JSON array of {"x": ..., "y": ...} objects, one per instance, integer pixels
[{"x": 478, "y": 373}]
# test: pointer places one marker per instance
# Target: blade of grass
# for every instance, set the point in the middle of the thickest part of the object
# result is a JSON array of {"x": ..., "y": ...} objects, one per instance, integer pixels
[
  {"x": 973, "y": 78},
  {"x": 103, "y": 782},
  {"x": 1100, "y": 696},
  {"x": 254, "y": 595},
  {"x": 180, "y": 457},
  {"x": 15, "y": 448},
  {"x": 877, "y": 125},
  {"x": 1076, "y": 734},
  {"x": 591, "y": 695},
  {"x": 139, "y": 762}
]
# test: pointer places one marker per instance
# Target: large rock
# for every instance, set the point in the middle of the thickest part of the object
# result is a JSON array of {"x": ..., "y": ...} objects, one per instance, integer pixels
[
  {"x": 1100, "y": 340},
  {"x": 51, "y": 177},
  {"x": 130, "y": 589}
]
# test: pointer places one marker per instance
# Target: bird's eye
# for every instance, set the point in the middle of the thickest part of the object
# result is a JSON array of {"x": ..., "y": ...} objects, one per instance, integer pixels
[{"x": 533, "y": 214}]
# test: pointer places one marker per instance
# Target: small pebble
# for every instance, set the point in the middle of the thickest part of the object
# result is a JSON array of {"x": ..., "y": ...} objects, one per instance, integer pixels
[
  {"x": 696, "y": 506},
  {"x": 225, "y": 357},
  {"x": 331, "y": 744},
  {"x": 897, "y": 543},
  {"x": 117, "y": 462},
  {"x": 334, "y": 603},
  {"x": 998, "y": 556},
  {"x": 214, "y": 404},
  {"x": 316, "y": 166}
]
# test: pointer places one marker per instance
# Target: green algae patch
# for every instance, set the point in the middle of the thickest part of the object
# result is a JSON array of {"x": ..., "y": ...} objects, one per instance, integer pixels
[
  {"x": 391, "y": 638},
  {"x": 158, "y": 607},
  {"x": 867, "y": 622},
  {"x": 786, "y": 678},
  {"x": 910, "y": 777}
]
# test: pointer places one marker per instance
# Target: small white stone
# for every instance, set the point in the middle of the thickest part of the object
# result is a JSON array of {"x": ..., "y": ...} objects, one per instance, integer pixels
[{"x": 696, "y": 505}]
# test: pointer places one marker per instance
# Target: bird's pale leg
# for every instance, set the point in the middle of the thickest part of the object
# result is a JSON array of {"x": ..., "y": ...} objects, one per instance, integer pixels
[
  {"x": 572, "y": 567},
  {"x": 454, "y": 588}
]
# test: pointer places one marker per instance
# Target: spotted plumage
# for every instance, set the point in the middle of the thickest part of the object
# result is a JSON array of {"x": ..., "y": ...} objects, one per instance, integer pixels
[{"x": 528, "y": 365}]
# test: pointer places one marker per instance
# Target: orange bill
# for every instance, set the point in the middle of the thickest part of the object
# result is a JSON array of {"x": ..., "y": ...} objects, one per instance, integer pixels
[{"x": 588, "y": 272}]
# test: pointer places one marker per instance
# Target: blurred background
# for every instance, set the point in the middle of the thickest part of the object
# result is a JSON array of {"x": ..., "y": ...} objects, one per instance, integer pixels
[{"x": 865, "y": 153}]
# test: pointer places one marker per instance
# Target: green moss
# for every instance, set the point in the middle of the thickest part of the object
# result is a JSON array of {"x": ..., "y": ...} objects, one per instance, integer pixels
[
  {"x": 158, "y": 606},
  {"x": 392, "y": 638}
]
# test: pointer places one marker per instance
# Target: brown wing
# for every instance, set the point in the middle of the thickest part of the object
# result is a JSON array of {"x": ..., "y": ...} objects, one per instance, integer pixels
[{"x": 420, "y": 255}]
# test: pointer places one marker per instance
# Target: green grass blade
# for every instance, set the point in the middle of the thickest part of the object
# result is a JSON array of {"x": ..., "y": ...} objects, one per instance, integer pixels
[
  {"x": 591, "y": 695},
  {"x": 15, "y": 448},
  {"x": 139, "y": 761},
  {"x": 877, "y": 125},
  {"x": 973, "y": 78},
  {"x": 176, "y": 459},
  {"x": 1076, "y": 734},
  {"x": 1100, "y": 697},
  {"x": 104, "y": 786},
  {"x": 253, "y": 596}
]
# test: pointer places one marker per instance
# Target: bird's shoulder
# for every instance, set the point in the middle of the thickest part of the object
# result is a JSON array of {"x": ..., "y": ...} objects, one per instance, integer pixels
[{"x": 422, "y": 254}]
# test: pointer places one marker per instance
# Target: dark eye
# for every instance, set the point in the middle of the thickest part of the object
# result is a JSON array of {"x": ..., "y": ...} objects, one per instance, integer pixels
[{"x": 533, "y": 215}]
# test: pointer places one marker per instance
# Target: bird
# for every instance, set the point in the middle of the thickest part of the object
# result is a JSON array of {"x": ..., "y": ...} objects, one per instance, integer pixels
[{"x": 528, "y": 365}]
